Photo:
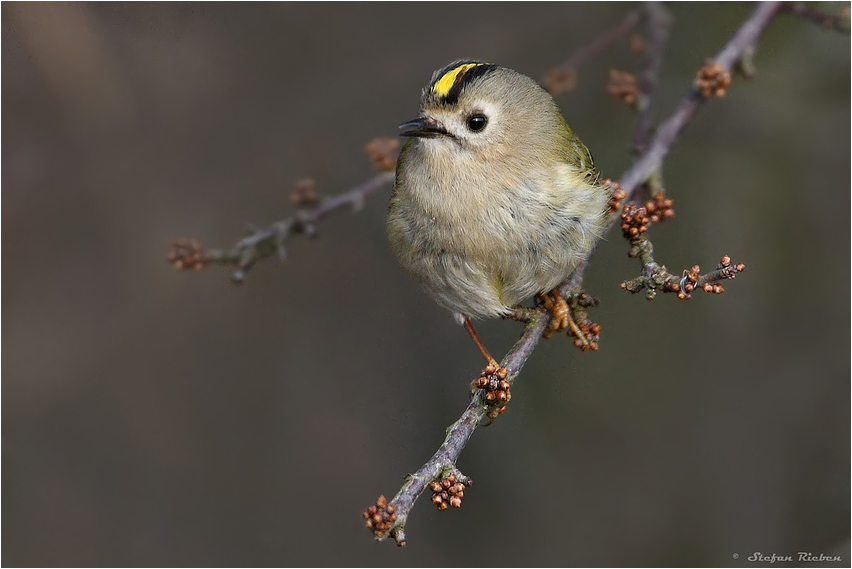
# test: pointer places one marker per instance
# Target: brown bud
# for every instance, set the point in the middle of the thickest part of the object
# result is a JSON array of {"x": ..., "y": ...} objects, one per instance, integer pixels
[
  {"x": 435, "y": 486},
  {"x": 578, "y": 342},
  {"x": 490, "y": 396},
  {"x": 560, "y": 80},
  {"x": 382, "y": 501},
  {"x": 490, "y": 369},
  {"x": 371, "y": 510},
  {"x": 503, "y": 385},
  {"x": 455, "y": 502},
  {"x": 436, "y": 499},
  {"x": 740, "y": 267},
  {"x": 442, "y": 506},
  {"x": 707, "y": 287},
  {"x": 636, "y": 43},
  {"x": 377, "y": 518},
  {"x": 712, "y": 80},
  {"x": 622, "y": 85},
  {"x": 718, "y": 289},
  {"x": 480, "y": 382},
  {"x": 305, "y": 192},
  {"x": 502, "y": 373},
  {"x": 501, "y": 396},
  {"x": 369, "y": 524},
  {"x": 382, "y": 152},
  {"x": 725, "y": 261}
]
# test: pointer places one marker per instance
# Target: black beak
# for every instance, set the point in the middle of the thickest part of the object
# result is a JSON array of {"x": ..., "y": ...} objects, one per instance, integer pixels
[{"x": 424, "y": 127}]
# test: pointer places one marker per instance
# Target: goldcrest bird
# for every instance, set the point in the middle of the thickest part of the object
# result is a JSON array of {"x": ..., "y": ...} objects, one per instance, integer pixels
[{"x": 495, "y": 198}]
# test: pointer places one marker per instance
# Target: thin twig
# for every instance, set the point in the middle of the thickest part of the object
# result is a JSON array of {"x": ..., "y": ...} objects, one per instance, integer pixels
[
  {"x": 658, "y": 22},
  {"x": 655, "y": 277},
  {"x": 270, "y": 240},
  {"x": 561, "y": 78},
  {"x": 838, "y": 22}
]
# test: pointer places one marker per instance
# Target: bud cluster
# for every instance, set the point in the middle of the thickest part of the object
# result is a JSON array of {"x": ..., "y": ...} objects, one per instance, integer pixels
[
  {"x": 728, "y": 270},
  {"x": 305, "y": 193},
  {"x": 688, "y": 283},
  {"x": 447, "y": 492},
  {"x": 617, "y": 195},
  {"x": 622, "y": 85},
  {"x": 560, "y": 80},
  {"x": 712, "y": 80},
  {"x": 380, "y": 518},
  {"x": 186, "y": 254},
  {"x": 382, "y": 153},
  {"x": 635, "y": 219},
  {"x": 591, "y": 331},
  {"x": 493, "y": 382}
]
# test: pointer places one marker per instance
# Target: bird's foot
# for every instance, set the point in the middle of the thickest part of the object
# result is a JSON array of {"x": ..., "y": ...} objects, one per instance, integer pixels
[
  {"x": 561, "y": 313},
  {"x": 571, "y": 314}
]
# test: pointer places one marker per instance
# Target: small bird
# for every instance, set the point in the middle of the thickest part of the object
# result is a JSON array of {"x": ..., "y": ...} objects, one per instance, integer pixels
[{"x": 495, "y": 199}]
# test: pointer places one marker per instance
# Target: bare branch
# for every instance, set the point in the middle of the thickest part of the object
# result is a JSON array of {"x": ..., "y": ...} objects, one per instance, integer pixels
[
  {"x": 444, "y": 459},
  {"x": 270, "y": 240}
]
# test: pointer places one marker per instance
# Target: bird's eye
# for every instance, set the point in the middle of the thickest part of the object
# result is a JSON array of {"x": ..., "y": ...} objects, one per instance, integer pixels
[{"x": 477, "y": 122}]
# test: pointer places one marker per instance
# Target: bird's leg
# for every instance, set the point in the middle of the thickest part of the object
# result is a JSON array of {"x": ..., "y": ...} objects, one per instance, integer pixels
[{"x": 475, "y": 337}]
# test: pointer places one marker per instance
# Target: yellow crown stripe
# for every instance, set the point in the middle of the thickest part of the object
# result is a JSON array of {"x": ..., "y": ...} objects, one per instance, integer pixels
[{"x": 444, "y": 84}]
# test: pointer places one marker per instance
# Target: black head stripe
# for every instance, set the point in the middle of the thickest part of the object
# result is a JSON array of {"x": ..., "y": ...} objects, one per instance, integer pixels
[
  {"x": 474, "y": 70},
  {"x": 465, "y": 79}
]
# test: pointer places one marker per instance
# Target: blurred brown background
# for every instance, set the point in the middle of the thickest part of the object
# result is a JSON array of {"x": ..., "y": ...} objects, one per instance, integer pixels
[{"x": 160, "y": 418}]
